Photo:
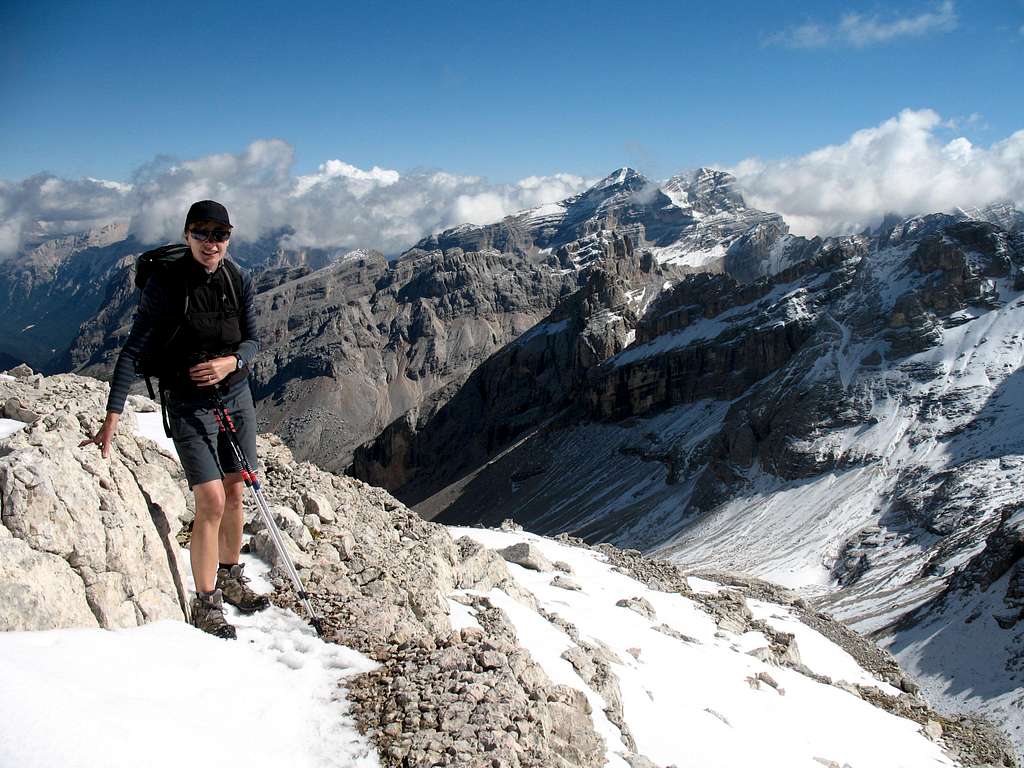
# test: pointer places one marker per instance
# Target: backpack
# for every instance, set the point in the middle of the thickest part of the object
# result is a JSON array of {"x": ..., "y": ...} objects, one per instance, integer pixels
[{"x": 162, "y": 260}]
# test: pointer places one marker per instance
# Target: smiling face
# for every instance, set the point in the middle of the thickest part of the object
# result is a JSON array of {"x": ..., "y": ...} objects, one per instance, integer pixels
[{"x": 208, "y": 253}]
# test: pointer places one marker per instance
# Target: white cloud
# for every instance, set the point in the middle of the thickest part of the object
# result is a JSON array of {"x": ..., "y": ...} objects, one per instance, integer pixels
[
  {"x": 336, "y": 169},
  {"x": 902, "y": 166},
  {"x": 859, "y": 31},
  {"x": 337, "y": 205},
  {"x": 807, "y": 35},
  {"x": 913, "y": 163},
  {"x": 45, "y": 205}
]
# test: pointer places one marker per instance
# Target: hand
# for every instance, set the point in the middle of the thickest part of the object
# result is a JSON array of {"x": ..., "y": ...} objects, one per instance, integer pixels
[
  {"x": 104, "y": 437},
  {"x": 212, "y": 371}
]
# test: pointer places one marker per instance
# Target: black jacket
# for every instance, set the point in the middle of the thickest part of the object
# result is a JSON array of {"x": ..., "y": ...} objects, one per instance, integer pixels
[{"x": 162, "y": 309}]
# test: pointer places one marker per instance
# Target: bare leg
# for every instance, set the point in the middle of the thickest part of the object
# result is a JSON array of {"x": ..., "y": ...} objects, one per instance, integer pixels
[
  {"x": 209, "y": 498},
  {"x": 230, "y": 536}
]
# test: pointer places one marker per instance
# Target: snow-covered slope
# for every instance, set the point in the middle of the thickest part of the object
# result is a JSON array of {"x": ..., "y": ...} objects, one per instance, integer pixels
[
  {"x": 688, "y": 688},
  {"x": 675, "y": 677},
  {"x": 851, "y": 429},
  {"x": 442, "y": 646},
  {"x": 94, "y": 698}
]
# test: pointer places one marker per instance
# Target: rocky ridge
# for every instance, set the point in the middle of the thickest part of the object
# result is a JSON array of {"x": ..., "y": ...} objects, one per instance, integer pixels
[
  {"x": 695, "y": 221},
  {"x": 83, "y": 541},
  {"x": 388, "y": 584}
]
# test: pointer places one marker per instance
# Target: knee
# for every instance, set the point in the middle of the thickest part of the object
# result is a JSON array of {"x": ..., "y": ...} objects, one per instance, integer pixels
[
  {"x": 233, "y": 492},
  {"x": 209, "y": 501}
]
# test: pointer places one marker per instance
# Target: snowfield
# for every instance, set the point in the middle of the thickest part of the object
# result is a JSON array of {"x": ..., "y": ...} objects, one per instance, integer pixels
[
  {"x": 86, "y": 698},
  {"x": 9, "y": 426},
  {"x": 166, "y": 693},
  {"x": 690, "y": 702}
]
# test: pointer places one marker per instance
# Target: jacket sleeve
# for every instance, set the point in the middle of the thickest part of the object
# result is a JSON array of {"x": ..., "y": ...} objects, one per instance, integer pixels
[
  {"x": 150, "y": 310},
  {"x": 249, "y": 345}
]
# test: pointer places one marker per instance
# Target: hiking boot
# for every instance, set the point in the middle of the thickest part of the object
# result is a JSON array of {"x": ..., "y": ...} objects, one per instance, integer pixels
[
  {"x": 233, "y": 584},
  {"x": 208, "y": 615}
]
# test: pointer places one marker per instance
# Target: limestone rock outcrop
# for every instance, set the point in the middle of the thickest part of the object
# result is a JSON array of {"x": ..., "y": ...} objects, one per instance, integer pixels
[{"x": 85, "y": 541}]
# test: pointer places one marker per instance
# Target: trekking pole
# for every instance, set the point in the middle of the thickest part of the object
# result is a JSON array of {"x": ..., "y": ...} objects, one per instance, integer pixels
[{"x": 227, "y": 425}]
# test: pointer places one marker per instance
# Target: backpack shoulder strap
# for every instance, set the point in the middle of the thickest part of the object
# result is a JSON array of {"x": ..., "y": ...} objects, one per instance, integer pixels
[
  {"x": 234, "y": 283},
  {"x": 175, "y": 283}
]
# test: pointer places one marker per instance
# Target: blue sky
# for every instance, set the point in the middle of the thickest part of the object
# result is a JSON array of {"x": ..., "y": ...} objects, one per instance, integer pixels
[{"x": 498, "y": 90}]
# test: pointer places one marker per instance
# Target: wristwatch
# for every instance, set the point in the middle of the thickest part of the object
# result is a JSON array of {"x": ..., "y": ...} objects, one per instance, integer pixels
[{"x": 239, "y": 363}]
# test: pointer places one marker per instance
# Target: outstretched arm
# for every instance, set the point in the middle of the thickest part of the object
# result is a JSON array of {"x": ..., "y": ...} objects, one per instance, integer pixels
[{"x": 151, "y": 305}]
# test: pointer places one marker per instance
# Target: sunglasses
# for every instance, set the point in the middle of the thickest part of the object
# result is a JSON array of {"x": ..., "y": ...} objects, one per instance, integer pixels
[{"x": 213, "y": 235}]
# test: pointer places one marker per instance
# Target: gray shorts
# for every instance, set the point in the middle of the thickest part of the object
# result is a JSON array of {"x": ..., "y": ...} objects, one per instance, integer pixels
[{"x": 205, "y": 452}]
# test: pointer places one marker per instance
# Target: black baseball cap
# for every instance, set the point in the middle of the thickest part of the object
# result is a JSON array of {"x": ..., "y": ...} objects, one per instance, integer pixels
[{"x": 207, "y": 210}]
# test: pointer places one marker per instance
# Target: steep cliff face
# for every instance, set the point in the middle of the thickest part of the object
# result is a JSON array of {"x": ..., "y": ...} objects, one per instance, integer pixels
[
  {"x": 46, "y": 292},
  {"x": 349, "y": 349},
  {"x": 526, "y": 382}
]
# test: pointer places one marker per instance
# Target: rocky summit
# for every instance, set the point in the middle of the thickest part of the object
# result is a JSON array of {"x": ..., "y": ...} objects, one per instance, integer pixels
[{"x": 492, "y": 647}]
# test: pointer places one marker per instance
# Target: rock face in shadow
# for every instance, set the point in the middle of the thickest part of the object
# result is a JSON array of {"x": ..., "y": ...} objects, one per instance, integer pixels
[
  {"x": 526, "y": 383},
  {"x": 349, "y": 349}
]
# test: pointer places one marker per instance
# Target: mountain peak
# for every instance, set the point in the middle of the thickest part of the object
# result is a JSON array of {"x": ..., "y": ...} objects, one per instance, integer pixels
[
  {"x": 621, "y": 177},
  {"x": 1002, "y": 213},
  {"x": 706, "y": 190}
]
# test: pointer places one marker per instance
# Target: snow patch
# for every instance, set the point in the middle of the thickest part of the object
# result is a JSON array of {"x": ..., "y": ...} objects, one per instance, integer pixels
[
  {"x": 151, "y": 426},
  {"x": 9, "y": 426}
]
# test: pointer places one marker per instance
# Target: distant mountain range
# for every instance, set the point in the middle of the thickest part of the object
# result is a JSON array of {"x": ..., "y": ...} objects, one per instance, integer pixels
[{"x": 663, "y": 367}]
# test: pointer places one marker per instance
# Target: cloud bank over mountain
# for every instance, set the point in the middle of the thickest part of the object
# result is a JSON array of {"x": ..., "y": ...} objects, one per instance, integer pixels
[
  {"x": 908, "y": 164},
  {"x": 903, "y": 166},
  {"x": 338, "y": 205}
]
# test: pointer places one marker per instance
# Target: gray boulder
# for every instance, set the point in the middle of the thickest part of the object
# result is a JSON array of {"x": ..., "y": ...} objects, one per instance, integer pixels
[{"x": 525, "y": 554}]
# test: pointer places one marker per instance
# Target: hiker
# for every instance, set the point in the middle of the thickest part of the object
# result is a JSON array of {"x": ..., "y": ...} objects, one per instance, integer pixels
[{"x": 195, "y": 330}]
